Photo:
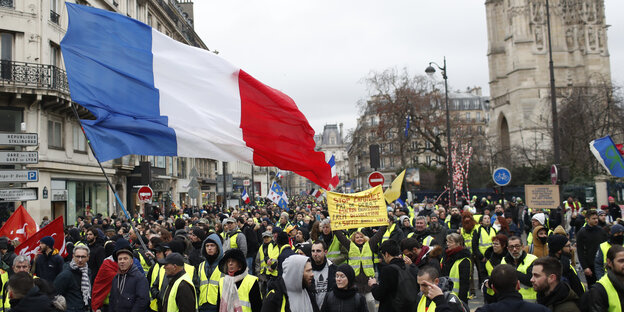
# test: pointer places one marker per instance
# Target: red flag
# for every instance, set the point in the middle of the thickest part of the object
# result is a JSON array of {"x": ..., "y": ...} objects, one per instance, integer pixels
[
  {"x": 30, "y": 247},
  {"x": 20, "y": 225},
  {"x": 620, "y": 148}
]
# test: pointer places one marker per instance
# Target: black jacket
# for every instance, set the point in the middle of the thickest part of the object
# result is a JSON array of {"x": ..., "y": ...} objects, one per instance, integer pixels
[
  {"x": 331, "y": 277},
  {"x": 597, "y": 300},
  {"x": 67, "y": 284},
  {"x": 273, "y": 301},
  {"x": 561, "y": 299},
  {"x": 512, "y": 302},
  {"x": 340, "y": 300},
  {"x": 588, "y": 241},
  {"x": 134, "y": 296},
  {"x": 524, "y": 278},
  {"x": 614, "y": 211},
  {"x": 48, "y": 266},
  {"x": 34, "y": 300},
  {"x": 252, "y": 241},
  {"x": 287, "y": 252},
  {"x": 97, "y": 255},
  {"x": 185, "y": 297},
  {"x": 386, "y": 288},
  {"x": 476, "y": 237},
  {"x": 464, "y": 271},
  {"x": 447, "y": 302}
]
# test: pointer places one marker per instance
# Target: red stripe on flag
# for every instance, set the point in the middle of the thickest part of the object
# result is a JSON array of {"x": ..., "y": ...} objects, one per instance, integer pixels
[{"x": 278, "y": 132}]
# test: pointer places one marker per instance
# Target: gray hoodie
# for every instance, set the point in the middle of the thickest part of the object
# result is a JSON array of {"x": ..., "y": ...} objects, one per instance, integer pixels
[
  {"x": 298, "y": 297},
  {"x": 209, "y": 267}
]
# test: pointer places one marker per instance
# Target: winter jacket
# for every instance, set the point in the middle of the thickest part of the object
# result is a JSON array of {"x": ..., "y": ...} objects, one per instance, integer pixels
[
  {"x": 524, "y": 278},
  {"x": 614, "y": 211},
  {"x": 68, "y": 285},
  {"x": 241, "y": 241},
  {"x": 588, "y": 242},
  {"x": 252, "y": 240},
  {"x": 570, "y": 276},
  {"x": 103, "y": 282},
  {"x": 209, "y": 267},
  {"x": 35, "y": 300},
  {"x": 195, "y": 256},
  {"x": 48, "y": 266},
  {"x": 597, "y": 300},
  {"x": 290, "y": 280},
  {"x": 537, "y": 249},
  {"x": 361, "y": 280},
  {"x": 464, "y": 271},
  {"x": 439, "y": 233},
  {"x": 287, "y": 252},
  {"x": 129, "y": 292},
  {"x": 447, "y": 302},
  {"x": 96, "y": 257},
  {"x": 512, "y": 302},
  {"x": 387, "y": 285},
  {"x": 561, "y": 299},
  {"x": 185, "y": 297},
  {"x": 343, "y": 300}
]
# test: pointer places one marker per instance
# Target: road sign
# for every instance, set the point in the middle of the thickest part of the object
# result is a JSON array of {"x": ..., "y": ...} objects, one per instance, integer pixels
[
  {"x": 246, "y": 182},
  {"x": 145, "y": 193},
  {"x": 19, "y": 139},
  {"x": 18, "y": 194},
  {"x": 501, "y": 176},
  {"x": 19, "y": 175},
  {"x": 376, "y": 178},
  {"x": 554, "y": 174},
  {"x": 19, "y": 157}
]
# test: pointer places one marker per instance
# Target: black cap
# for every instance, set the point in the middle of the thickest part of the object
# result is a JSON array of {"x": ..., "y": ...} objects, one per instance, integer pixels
[{"x": 173, "y": 258}]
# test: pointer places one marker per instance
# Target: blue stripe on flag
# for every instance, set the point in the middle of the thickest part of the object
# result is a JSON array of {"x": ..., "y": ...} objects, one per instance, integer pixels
[
  {"x": 609, "y": 157},
  {"x": 106, "y": 51}
]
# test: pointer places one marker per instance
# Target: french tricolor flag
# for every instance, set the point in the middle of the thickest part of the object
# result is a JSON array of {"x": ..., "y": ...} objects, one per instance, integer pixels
[
  {"x": 279, "y": 175},
  {"x": 335, "y": 180},
  {"x": 152, "y": 95},
  {"x": 245, "y": 197}
]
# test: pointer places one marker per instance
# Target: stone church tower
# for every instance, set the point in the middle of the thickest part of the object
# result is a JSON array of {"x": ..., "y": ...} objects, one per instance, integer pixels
[{"x": 518, "y": 67}]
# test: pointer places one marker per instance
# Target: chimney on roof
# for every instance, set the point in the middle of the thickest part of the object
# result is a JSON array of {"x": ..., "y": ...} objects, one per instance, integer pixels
[{"x": 341, "y": 137}]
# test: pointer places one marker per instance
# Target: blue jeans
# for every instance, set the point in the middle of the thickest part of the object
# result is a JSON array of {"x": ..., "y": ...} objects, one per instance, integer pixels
[{"x": 250, "y": 265}]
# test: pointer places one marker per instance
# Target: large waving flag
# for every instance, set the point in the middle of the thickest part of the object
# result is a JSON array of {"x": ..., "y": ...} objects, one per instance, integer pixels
[
  {"x": 30, "y": 247},
  {"x": 608, "y": 156},
  {"x": 20, "y": 225},
  {"x": 152, "y": 95},
  {"x": 278, "y": 196},
  {"x": 245, "y": 197}
]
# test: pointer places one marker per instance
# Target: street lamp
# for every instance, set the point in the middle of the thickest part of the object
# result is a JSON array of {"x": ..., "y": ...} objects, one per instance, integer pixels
[{"x": 431, "y": 71}]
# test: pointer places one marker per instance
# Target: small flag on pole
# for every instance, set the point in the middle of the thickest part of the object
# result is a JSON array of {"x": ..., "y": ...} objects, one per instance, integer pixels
[
  {"x": 335, "y": 180},
  {"x": 245, "y": 197},
  {"x": 407, "y": 126},
  {"x": 279, "y": 175}
]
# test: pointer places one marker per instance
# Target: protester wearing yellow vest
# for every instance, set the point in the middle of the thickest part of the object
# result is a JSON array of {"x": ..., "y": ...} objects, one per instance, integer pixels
[
  {"x": 559, "y": 247},
  {"x": 616, "y": 237},
  {"x": 523, "y": 262},
  {"x": 293, "y": 287},
  {"x": 456, "y": 265},
  {"x": 432, "y": 298},
  {"x": 208, "y": 274},
  {"x": 267, "y": 261},
  {"x": 234, "y": 238},
  {"x": 335, "y": 253},
  {"x": 238, "y": 290},
  {"x": 608, "y": 293},
  {"x": 481, "y": 241},
  {"x": 179, "y": 294}
]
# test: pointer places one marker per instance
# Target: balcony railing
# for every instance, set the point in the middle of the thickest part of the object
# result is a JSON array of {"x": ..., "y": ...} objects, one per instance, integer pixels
[
  {"x": 21, "y": 74},
  {"x": 54, "y": 17},
  {"x": 6, "y": 3}
]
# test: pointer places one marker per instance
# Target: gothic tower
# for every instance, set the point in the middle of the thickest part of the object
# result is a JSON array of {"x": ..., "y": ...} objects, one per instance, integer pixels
[{"x": 520, "y": 123}]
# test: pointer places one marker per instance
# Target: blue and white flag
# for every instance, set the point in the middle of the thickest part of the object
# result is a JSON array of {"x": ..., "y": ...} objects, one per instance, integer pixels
[
  {"x": 608, "y": 156},
  {"x": 278, "y": 196}
]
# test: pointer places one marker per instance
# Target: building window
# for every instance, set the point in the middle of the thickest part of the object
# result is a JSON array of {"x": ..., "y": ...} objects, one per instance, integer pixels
[
  {"x": 182, "y": 167},
  {"x": 391, "y": 162},
  {"x": 160, "y": 162},
  {"x": 6, "y": 3},
  {"x": 391, "y": 147},
  {"x": 467, "y": 115},
  {"x": 382, "y": 162},
  {"x": 169, "y": 166},
  {"x": 149, "y": 19},
  {"x": 478, "y": 116},
  {"x": 54, "y": 15},
  {"x": 80, "y": 143},
  {"x": 55, "y": 134},
  {"x": 480, "y": 129},
  {"x": 6, "y": 55},
  {"x": 428, "y": 160}
]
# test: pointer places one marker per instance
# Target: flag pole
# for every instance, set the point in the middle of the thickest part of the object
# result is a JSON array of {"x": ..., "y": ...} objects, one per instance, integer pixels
[{"x": 110, "y": 185}]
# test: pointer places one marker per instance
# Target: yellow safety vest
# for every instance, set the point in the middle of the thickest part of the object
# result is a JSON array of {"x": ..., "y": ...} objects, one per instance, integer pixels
[
  {"x": 4, "y": 278},
  {"x": 171, "y": 301},
  {"x": 422, "y": 305},
  {"x": 152, "y": 279},
  {"x": 477, "y": 218},
  {"x": 233, "y": 243},
  {"x": 485, "y": 239},
  {"x": 333, "y": 252},
  {"x": 189, "y": 269},
  {"x": 283, "y": 300},
  {"x": 427, "y": 241},
  {"x": 454, "y": 276},
  {"x": 243, "y": 291},
  {"x": 574, "y": 270},
  {"x": 144, "y": 263},
  {"x": 389, "y": 231},
  {"x": 604, "y": 247},
  {"x": 273, "y": 253},
  {"x": 467, "y": 238},
  {"x": 363, "y": 259},
  {"x": 208, "y": 288},
  {"x": 527, "y": 292},
  {"x": 614, "y": 298}
]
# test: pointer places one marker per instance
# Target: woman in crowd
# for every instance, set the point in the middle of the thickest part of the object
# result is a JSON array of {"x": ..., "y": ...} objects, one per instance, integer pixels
[{"x": 345, "y": 297}]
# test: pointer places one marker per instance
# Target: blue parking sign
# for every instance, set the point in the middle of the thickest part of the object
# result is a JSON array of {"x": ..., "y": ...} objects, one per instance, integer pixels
[{"x": 32, "y": 175}]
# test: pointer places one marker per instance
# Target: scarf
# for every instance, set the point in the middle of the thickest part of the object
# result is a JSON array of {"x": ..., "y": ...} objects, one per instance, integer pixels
[
  {"x": 423, "y": 252},
  {"x": 450, "y": 252},
  {"x": 229, "y": 293},
  {"x": 85, "y": 283}
]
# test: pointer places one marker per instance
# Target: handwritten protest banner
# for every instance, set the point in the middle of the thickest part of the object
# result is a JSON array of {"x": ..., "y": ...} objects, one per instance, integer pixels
[
  {"x": 542, "y": 196},
  {"x": 363, "y": 209}
]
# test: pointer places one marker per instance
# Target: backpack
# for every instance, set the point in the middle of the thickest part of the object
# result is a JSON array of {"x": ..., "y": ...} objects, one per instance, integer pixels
[{"x": 404, "y": 299}]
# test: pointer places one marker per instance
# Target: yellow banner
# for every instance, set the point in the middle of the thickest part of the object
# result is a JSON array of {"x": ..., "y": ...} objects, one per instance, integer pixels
[{"x": 363, "y": 209}]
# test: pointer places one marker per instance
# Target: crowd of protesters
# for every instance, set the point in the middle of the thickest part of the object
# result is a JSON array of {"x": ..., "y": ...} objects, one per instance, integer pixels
[{"x": 260, "y": 257}]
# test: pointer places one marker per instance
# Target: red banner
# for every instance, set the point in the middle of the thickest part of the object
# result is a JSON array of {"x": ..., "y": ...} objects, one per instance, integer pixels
[
  {"x": 30, "y": 247},
  {"x": 20, "y": 226}
]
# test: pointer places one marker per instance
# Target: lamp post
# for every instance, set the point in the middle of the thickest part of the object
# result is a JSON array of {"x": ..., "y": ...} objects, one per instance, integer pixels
[
  {"x": 553, "y": 94},
  {"x": 430, "y": 70}
]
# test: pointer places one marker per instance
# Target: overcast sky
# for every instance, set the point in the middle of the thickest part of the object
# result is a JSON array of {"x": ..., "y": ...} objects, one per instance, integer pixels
[{"x": 318, "y": 51}]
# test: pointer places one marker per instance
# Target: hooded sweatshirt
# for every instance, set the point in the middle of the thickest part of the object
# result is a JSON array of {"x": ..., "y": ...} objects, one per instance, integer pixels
[
  {"x": 293, "y": 280},
  {"x": 210, "y": 264},
  {"x": 539, "y": 249}
]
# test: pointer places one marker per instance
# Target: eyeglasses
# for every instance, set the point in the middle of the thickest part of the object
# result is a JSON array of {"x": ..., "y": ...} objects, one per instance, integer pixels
[
  {"x": 515, "y": 246},
  {"x": 80, "y": 257}
]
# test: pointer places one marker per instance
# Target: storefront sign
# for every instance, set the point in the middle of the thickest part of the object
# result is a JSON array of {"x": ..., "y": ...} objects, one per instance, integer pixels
[
  {"x": 18, "y": 194},
  {"x": 19, "y": 157},
  {"x": 19, "y": 139},
  {"x": 542, "y": 196},
  {"x": 59, "y": 195},
  {"x": 363, "y": 209},
  {"x": 19, "y": 175}
]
